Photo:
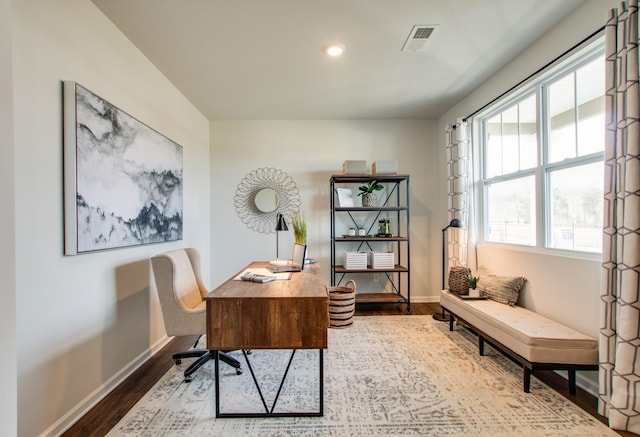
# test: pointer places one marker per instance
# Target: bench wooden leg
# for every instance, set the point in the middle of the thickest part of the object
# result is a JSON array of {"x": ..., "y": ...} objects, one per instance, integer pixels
[
  {"x": 572, "y": 381},
  {"x": 526, "y": 373},
  {"x": 451, "y": 320},
  {"x": 480, "y": 345}
]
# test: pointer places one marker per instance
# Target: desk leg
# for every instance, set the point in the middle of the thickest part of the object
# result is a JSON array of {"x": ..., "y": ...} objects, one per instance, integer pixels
[
  {"x": 216, "y": 365},
  {"x": 269, "y": 412},
  {"x": 321, "y": 397}
]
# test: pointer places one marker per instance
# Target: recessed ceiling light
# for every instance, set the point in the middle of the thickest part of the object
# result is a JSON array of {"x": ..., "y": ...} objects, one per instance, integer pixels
[{"x": 333, "y": 50}]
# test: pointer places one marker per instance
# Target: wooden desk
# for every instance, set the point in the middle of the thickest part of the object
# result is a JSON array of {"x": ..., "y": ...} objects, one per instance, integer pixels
[{"x": 282, "y": 314}]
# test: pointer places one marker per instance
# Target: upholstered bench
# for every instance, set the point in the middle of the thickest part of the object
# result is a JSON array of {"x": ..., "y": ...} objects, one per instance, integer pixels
[{"x": 536, "y": 342}]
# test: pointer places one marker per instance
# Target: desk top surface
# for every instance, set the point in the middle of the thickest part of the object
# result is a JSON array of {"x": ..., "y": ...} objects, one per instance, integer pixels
[{"x": 307, "y": 284}]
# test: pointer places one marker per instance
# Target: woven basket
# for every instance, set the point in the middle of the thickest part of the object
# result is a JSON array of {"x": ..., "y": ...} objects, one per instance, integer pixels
[
  {"x": 342, "y": 305},
  {"x": 459, "y": 279}
]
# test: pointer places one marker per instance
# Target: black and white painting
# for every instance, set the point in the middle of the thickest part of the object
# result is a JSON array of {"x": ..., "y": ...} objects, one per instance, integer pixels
[{"x": 123, "y": 180}]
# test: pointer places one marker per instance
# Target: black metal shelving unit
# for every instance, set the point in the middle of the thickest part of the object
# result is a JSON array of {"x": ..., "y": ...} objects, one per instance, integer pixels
[{"x": 395, "y": 206}]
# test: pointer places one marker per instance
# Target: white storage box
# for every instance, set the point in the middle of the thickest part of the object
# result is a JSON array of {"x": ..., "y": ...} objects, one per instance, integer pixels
[
  {"x": 382, "y": 260},
  {"x": 355, "y": 260},
  {"x": 384, "y": 167},
  {"x": 354, "y": 167}
]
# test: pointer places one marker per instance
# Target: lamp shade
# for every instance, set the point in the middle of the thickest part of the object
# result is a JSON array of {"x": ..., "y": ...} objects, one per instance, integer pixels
[
  {"x": 454, "y": 223},
  {"x": 281, "y": 224}
]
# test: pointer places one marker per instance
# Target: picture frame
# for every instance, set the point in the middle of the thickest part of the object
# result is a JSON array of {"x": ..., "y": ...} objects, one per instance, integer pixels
[
  {"x": 345, "y": 197},
  {"x": 123, "y": 180}
]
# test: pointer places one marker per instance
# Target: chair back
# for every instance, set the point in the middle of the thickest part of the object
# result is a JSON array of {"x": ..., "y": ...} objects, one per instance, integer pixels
[{"x": 181, "y": 291}]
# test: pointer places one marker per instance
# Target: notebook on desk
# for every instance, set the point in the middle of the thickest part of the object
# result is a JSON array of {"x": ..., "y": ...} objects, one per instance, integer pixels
[{"x": 297, "y": 261}]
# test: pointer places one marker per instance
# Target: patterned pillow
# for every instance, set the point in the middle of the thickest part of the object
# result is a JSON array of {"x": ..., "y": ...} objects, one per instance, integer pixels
[{"x": 503, "y": 289}]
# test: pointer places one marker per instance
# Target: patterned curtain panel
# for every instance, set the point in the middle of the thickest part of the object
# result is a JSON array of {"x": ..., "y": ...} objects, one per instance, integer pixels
[
  {"x": 620, "y": 323},
  {"x": 458, "y": 138}
]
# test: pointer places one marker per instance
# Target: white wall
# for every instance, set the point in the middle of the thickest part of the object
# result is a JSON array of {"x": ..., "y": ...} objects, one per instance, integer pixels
[
  {"x": 564, "y": 288},
  {"x": 8, "y": 366},
  {"x": 309, "y": 152},
  {"x": 84, "y": 321}
]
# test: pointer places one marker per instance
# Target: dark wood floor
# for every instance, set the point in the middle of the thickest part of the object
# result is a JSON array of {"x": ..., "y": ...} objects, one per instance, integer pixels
[{"x": 108, "y": 412}]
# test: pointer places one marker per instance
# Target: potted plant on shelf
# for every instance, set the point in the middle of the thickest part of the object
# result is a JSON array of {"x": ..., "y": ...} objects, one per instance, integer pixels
[{"x": 368, "y": 192}]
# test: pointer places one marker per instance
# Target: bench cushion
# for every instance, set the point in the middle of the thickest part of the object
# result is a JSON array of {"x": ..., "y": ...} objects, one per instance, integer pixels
[{"x": 531, "y": 335}]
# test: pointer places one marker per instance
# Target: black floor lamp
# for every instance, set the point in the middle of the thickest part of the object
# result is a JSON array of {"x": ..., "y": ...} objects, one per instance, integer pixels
[{"x": 454, "y": 223}]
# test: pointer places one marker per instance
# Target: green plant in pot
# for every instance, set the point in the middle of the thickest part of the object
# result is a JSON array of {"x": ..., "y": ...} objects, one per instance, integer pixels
[
  {"x": 368, "y": 192},
  {"x": 299, "y": 223},
  {"x": 473, "y": 283},
  {"x": 473, "y": 280}
]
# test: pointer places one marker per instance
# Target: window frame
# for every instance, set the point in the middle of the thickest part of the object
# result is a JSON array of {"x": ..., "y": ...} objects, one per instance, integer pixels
[{"x": 539, "y": 86}]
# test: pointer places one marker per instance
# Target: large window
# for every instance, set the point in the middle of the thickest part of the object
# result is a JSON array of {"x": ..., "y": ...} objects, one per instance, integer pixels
[{"x": 542, "y": 156}]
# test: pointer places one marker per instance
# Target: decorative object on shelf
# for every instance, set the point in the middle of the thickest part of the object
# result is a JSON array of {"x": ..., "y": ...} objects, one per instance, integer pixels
[
  {"x": 355, "y": 260},
  {"x": 454, "y": 223},
  {"x": 384, "y": 167},
  {"x": 299, "y": 222},
  {"x": 384, "y": 230},
  {"x": 367, "y": 192},
  {"x": 113, "y": 195},
  {"x": 342, "y": 305},
  {"x": 262, "y": 195},
  {"x": 351, "y": 232},
  {"x": 382, "y": 260},
  {"x": 362, "y": 232},
  {"x": 354, "y": 167},
  {"x": 345, "y": 197}
]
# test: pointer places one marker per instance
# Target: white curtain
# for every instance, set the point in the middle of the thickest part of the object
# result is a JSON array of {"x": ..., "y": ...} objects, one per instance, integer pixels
[
  {"x": 460, "y": 180},
  {"x": 619, "y": 343}
]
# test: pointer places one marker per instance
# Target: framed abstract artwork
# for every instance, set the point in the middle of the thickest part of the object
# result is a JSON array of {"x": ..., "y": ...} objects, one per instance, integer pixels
[{"x": 122, "y": 179}]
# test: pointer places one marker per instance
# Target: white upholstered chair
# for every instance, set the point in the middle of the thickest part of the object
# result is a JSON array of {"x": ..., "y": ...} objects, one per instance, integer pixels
[{"x": 181, "y": 292}]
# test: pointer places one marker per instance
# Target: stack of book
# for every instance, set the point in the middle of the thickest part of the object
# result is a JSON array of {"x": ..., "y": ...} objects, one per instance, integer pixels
[{"x": 254, "y": 277}]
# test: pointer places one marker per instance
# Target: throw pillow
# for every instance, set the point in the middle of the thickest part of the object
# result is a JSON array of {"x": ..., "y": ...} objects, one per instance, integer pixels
[{"x": 503, "y": 289}]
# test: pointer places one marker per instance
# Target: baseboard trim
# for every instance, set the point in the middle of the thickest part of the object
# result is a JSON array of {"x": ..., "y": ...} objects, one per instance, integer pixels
[
  {"x": 73, "y": 415},
  {"x": 425, "y": 299}
]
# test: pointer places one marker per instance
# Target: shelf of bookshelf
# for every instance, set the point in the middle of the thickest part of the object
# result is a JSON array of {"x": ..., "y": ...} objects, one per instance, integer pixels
[{"x": 397, "y": 268}]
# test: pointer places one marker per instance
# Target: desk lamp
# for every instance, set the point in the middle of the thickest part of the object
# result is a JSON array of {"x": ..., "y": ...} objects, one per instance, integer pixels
[
  {"x": 454, "y": 223},
  {"x": 281, "y": 225}
]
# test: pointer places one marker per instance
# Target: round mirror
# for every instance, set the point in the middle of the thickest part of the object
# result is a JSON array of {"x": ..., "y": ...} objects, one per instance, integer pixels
[{"x": 266, "y": 200}]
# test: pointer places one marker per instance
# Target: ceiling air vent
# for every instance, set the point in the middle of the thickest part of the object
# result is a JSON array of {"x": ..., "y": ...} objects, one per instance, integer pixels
[{"x": 418, "y": 37}]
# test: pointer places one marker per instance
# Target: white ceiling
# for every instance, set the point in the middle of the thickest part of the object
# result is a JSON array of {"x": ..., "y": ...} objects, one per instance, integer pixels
[{"x": 263, "y": 59}]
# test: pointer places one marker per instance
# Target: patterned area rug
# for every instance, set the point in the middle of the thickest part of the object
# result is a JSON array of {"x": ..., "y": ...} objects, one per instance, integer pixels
[{"x": 386, "y": 375}]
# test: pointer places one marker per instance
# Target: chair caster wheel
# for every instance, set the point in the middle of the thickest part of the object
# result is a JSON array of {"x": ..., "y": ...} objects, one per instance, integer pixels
[
  {"x": 178, "y": 361},
  {"x": 238, "y": 371},
  {"x": 188, "y": 378}
]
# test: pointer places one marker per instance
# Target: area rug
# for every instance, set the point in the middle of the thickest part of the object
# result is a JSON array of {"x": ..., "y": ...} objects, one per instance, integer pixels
[{"x": 385, "y": 375}]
